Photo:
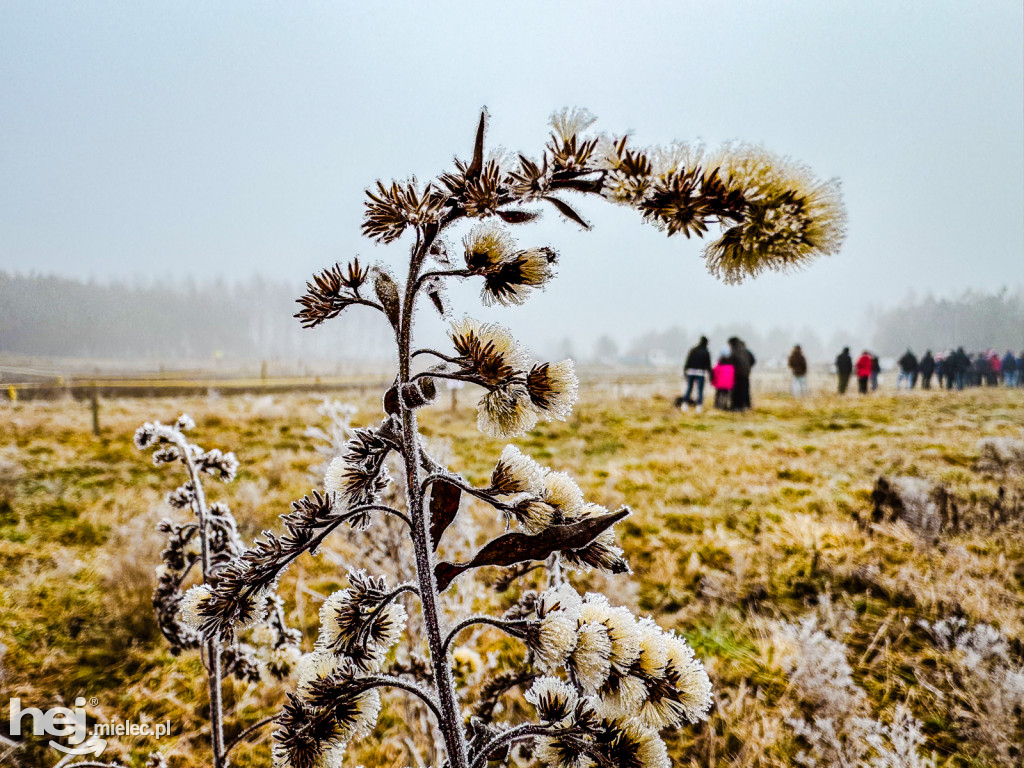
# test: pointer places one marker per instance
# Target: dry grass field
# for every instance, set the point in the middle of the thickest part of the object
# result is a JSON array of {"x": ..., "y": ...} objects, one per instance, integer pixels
[{"x": 744, "y": 525}]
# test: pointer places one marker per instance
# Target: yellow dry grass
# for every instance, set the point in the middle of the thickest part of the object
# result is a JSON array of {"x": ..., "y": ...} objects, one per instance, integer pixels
[{"x": 739, "y": 520}]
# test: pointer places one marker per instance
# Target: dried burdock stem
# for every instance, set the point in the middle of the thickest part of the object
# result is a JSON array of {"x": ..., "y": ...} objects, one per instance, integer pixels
[
  {"x": 245, "y": 734},
  {"x": 212, "y": 656},
  {"x": 513, "y": 628},
  {"x": 449, "y": 716},
  {"x": 213, "y": 542},
  {"x": 509, "y": 737}
]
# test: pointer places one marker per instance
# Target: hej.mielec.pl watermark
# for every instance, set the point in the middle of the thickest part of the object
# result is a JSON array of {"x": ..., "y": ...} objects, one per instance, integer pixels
[{"x": 72, "y": 726}]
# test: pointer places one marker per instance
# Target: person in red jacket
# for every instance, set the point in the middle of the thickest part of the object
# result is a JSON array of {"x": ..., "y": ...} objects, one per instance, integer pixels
[{"x": 864, "y": 364}]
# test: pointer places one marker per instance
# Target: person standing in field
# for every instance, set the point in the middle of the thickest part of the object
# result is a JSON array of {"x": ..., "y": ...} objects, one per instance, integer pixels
[
  {"x": 798, "y": 366},
  {"x": 960, "y": 366},
  {"x": 995, "y": 367},
  {"x": 723, "y": 377},
  {"x": 865, "y": 364},
  {"x": 844, "y": 367},
  {"x": 981, "y": 370},
  {"x": 876, "y": 368},
  {"x": 908, "y": 371},
  {"x": 926, "y": 368},
  {"x": 942, "y": 375},
  {"x": 742, "y": 361},
  {"x": 698, "y": 364},
  {"x": 1010, "y": 371}
]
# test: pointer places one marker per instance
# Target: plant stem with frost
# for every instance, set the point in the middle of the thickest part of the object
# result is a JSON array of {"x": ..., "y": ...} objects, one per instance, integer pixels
[
  {"x": 213, "y": 667},
  {"x": 450, "y": 722}
]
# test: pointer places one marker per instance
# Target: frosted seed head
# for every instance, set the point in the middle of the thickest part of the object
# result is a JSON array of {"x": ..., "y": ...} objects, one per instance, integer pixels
[
  {"x": 516, "y": 472},
  {"x": 487, "y": 245},
  {"x": 562, "y": 597},
  {"x": 553, "y": 388},
  {"x": 590, "y": 660},
  {"x": 554, "y": 699},
  {"x": 568, "y": 122},
  {"x": 506, "y": 412},
  {"x": 561, "y": 492},
  {"x": 554, "y": 639},
  {"x": 191, "y": 606}
]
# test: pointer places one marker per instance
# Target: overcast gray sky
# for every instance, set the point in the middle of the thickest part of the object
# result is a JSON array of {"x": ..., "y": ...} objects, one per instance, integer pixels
[{"x": 217, "y": 139}]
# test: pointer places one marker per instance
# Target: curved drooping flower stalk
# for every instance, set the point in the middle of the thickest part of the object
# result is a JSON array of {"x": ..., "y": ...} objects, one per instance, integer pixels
[{"x": 603, "y": 683}]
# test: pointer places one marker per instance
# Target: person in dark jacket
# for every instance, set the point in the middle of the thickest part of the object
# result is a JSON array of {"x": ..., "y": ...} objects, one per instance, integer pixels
[
  {"x": 1010, "y": 371},
  {"x": 982, "y": 370},
  {"x": 742, "y": 361},
  {"x": 876, "y": 368},
  {"x": 844, "y": 367},
  {"x": 908, "y": 371},
  {"x": 798, "y": 366},
  {"x": 698, "y": 365},
  {"x": 959, "y": 364},
  {"x": 942, "y": 370},
  {"x": 926, "y": 368}
]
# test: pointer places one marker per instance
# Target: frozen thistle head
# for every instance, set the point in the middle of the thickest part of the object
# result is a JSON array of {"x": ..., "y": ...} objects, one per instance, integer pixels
[
  {"x": 506, "y": 411},
  {"x": 359, "y": 624},
  {"x": 488, "y": 351},
  {"x": 508, "y": 274},
  {"x": 516, "y": 472},
  {"x": 191, "y": 607},
  {"x": 555, "y": 637},
  {"x": 554, "y": 699},
  {"x": 788, "y": 218},
  {"x": 562, "y": 493},
  {"x": 332, "y": 707},
  {"x": 632, "y": 668},
  {"x": 360, "y": 475},
  {"x": 589, "y": 663},
  {"x": 568, "y": 122},
  {"x": 553, "y": 388}
]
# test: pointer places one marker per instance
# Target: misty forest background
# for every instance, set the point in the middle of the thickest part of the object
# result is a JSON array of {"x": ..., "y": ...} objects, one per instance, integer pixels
[{"x": 50, "y": 316}]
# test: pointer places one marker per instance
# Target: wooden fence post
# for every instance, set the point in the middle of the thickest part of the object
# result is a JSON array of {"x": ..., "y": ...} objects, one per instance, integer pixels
[{"x": 95, "y": 398}]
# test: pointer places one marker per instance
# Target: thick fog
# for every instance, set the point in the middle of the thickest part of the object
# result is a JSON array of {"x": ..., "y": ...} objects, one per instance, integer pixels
[{"x": 164, "y": 141}]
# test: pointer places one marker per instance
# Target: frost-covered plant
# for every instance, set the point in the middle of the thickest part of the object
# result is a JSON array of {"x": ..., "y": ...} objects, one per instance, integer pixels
[
  {"x": 207, "y": 542},
  {"x": 376, "y": 551},
  {"x": 862, "y": 741},
  {"x": 611, "y": 682},
  {"x": 1001, "y": 455},
  {"x": 818, "y": 668},
  {"x": 330, "y": 438},
  {"x": 840, "y": 733},
  {"x": 990, "y": 704}
]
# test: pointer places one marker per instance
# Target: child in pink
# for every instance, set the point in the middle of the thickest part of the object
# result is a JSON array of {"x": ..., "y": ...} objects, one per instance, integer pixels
[{"x": 723, "y": 376}]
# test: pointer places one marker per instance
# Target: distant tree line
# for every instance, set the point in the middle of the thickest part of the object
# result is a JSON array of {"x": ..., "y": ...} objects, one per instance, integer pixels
[
  {"x": 50, "y": 316},
  {"x": 974, "y": 321}
]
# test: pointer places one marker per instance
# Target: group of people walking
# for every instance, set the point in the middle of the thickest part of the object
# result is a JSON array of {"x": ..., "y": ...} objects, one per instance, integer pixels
[
  {"x": 730, "y": 376},
  {"x": 956, "y": 369},
  {"x": 952, "y": 369},
  {"x": 868, "y": 367}
]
